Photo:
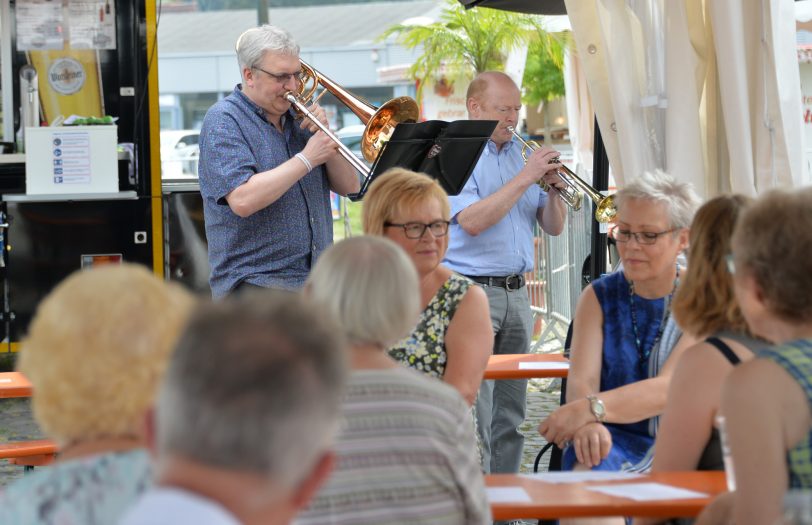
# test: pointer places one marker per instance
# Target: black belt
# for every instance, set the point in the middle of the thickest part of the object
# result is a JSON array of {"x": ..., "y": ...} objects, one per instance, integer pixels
[{"x": 511, "y": 282}]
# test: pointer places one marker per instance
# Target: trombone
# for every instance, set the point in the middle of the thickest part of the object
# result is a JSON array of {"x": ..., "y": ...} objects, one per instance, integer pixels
[
  {"x": 380, "y": 122},
  {"x": 343, "y": 150},
  {"x": 605, "y": 209}
]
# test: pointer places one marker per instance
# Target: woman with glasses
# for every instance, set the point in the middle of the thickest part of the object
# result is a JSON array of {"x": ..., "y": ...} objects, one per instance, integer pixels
[
  {"x": 625, "y": 344},
  {"x": 453, "y": 337}
]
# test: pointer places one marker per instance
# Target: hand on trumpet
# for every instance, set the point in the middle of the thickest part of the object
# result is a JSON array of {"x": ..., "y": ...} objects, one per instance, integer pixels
[
  {"x": 319, "y": 149},
  {"x": 543, "y": 164}
]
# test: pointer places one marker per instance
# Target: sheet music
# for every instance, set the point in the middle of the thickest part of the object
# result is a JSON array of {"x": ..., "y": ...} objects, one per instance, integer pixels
[
  {"x": 542, "y": 365},
  {"x": 507, "y": 495},
  {"x": 647, "y": 491},
  {"x": 581, "y": 476}
]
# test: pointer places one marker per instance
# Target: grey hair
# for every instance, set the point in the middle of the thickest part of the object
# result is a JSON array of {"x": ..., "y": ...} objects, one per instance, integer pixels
[
  {"x": 371, "y": 286},
  {"x": 680, "y": 198},
  {"x": 772, "y": 242},
  {"x": 255, "y": 42},
  {"x": 254, "y": 385}
]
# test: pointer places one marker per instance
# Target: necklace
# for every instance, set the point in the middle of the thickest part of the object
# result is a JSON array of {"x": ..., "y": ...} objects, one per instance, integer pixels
[{"x": 642, "y": 353}]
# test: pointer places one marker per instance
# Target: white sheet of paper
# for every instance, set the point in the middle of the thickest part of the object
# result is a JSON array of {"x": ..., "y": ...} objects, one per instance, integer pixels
[
  {"x": 507, "y": 495},
  {"x": 647, "y": 491},
  {"x": 541, "y": 365},
  {"x": 585, "y": 475}
]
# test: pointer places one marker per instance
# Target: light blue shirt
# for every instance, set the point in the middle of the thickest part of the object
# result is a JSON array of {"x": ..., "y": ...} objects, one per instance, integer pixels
[{"x": 505, "y": 248}]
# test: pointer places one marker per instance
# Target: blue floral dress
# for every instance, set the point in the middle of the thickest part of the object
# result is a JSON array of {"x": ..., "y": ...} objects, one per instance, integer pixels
[{"x": 622, "y": 364}]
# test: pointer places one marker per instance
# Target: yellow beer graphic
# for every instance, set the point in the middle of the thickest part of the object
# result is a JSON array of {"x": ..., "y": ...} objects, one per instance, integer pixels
[{"x": 69, "y": 83}]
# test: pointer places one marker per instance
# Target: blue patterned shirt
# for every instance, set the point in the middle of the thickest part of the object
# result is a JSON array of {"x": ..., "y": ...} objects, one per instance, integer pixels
[
  {"x": 506, "y": 247},
  {"x": 276, "y": 246}
]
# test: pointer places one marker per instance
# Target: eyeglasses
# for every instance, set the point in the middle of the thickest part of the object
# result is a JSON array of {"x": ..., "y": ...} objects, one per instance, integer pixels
[
  {"x": 731, "y": 264},
  {"x": 640, "y": 237},
  {"x": 415, "y": 230},
  {"x": 282, "y": 78}
]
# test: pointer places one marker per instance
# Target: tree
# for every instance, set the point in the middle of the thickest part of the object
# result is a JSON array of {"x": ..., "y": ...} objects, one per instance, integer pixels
[{"x": 471, "y": 41}]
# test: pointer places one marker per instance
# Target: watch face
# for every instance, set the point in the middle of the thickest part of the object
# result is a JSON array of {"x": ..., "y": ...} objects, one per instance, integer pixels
[{"x": 598, "y": 408}]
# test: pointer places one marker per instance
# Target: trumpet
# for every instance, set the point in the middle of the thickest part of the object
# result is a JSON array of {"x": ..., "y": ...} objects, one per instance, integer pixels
[{"x": 572, "y": 194}]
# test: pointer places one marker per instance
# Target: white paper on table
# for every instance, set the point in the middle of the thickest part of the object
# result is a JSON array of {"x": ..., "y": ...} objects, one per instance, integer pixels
[
  {"x": 647, "y": 491},
  {"x": 507, "y": 495},
  {"x": 542, "y": 365},
  {"x": 584, "y": 475}
]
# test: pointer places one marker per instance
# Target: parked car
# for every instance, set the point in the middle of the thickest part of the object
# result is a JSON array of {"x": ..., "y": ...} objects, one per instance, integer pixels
[
  {"x": 179, "y": 153},
  {"x": 351, "y": 137}
]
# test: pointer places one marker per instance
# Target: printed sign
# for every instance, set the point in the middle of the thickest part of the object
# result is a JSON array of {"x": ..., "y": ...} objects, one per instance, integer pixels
[{"x": 71, "y": 157}]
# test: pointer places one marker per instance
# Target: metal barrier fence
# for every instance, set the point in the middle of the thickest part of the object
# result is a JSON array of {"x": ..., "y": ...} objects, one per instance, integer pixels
[{"x": 557, "y": 281}]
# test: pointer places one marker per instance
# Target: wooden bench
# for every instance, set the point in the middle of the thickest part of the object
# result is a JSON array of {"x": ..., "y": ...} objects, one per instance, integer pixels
[{"x": 29, "y": 454}]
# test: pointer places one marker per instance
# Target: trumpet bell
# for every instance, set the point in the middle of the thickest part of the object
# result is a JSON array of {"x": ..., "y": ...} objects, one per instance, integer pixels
[{"x": 605, "y": 210}]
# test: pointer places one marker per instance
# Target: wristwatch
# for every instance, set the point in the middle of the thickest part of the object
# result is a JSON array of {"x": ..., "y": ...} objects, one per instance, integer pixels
[{"x": 597, "y": 407}]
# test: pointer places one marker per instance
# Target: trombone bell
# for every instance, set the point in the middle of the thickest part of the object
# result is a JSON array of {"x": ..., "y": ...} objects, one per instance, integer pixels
[{"x": 380, "y": 122}]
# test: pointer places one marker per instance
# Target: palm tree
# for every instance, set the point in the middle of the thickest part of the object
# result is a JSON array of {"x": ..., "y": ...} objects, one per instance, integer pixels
[{"x": 468, "y": 42}]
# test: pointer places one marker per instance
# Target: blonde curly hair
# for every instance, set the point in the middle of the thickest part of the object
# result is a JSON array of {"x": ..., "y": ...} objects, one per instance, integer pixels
[{"x": 97, "y": 348}]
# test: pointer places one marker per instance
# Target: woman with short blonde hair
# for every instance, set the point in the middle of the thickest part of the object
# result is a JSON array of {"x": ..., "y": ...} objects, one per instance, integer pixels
[
  {"x": 453, "y": 338},
  {"x": 96, "y": 350}
]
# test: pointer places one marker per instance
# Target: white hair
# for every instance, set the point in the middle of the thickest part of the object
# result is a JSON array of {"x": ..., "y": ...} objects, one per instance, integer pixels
[
  {"x": 680, "y": 199},
  {"x": 255, "y": 42},
  {"x": 371, "y": 286}
]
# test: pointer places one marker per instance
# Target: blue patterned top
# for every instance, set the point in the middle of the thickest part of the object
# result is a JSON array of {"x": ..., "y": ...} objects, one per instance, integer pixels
[
  {"x": 796, "y": 358},
  {"x": 93, "y": 490},
  {"x": 621, "y": 364},
  {"x": 276, "y": 246}
]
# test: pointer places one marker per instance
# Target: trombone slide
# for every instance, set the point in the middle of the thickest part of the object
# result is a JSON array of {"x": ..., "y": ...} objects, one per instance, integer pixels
[{"x": 343, "y": 150}]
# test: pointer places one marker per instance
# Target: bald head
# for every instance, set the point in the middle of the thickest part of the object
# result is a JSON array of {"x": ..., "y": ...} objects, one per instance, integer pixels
[
  {"x": 480, "y": 84},
  {"x": 493, "y": 95}
]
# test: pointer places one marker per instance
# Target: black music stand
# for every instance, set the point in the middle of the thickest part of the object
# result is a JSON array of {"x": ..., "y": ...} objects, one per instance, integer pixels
[{"x": 445, "y": 151}]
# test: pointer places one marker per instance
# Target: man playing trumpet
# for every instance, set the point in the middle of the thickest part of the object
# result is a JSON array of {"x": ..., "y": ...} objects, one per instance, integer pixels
[
  {"x": 491, "y": 242},
  {"x": 265, "y": 177}
]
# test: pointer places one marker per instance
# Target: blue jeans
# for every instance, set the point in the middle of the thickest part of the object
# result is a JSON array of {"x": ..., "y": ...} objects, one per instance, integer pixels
[{"x": 501, "y": 404}]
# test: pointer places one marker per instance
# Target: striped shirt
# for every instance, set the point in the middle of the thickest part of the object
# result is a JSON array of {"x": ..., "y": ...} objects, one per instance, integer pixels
[{"x": 405, "y": 454}]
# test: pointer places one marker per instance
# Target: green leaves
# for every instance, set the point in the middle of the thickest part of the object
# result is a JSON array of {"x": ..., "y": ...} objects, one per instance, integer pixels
[{"x": 468, "y": 42}]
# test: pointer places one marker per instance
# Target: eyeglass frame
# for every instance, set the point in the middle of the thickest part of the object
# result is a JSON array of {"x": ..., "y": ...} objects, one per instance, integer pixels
[
  {"x": 282, "y": 78},
  {"x": 425, "y": 226},
  {"x": 730, "y": 264},
  {"x": 645, "y": 242}
]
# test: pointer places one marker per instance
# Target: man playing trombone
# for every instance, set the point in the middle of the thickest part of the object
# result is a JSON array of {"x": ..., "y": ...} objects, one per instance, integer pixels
[
  {"x": 265, "y": 176},
  {"x": 491, "y": 242}
]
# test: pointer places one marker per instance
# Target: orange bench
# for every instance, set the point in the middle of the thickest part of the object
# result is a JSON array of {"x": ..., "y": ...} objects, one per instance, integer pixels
[{"x": 29, "y": 454}]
